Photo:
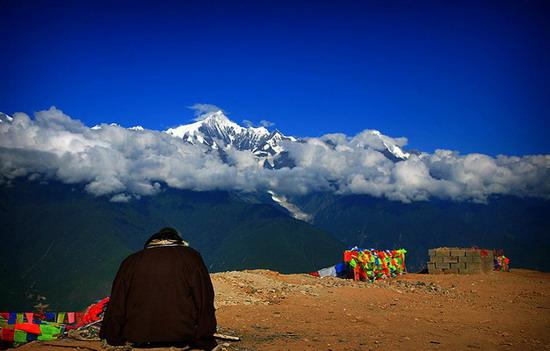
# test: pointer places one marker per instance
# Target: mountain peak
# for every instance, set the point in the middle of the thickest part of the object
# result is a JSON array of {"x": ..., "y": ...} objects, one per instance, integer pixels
[
  {"x": 215, "y": 120},
  {"x": 220, "y": 120},
  {"x": 5, "y": 118},
  {"x": 217, "y": 116},
  {"x": 216, "y": 131}
]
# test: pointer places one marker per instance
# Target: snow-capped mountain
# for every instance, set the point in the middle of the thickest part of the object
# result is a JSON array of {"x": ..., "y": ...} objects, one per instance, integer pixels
[
  {"x": 392, "y": 148},
  {"x": 218, "y": 132},
  {"x": 5, "y": 118}
]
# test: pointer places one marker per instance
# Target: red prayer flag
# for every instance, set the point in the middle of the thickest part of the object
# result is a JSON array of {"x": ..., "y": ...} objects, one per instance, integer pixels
[
  {"x": 28, "y": 327},
  {"x": 93, "y": 312},
  {"x": 7, "y": 334}
]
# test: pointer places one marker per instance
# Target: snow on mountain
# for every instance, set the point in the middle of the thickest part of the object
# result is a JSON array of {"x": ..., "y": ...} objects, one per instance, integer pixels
[
  {"x": 290, "y": 207},
  {"x": 100, "y": 126},
  {"x": 390, "y": 146},
  {"x": 214, "y": 125},
  {"x": 219, "y": 132},
  {"x": 216, "y": 131},
  {"x": 5, "y": 118}
]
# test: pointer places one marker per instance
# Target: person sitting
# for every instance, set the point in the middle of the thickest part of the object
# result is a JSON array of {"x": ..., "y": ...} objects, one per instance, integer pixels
[{"x": 162, "y": 296}]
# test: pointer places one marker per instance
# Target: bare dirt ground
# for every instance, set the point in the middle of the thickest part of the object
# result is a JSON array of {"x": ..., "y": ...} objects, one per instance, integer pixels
[{"x": 274, "y": 312}]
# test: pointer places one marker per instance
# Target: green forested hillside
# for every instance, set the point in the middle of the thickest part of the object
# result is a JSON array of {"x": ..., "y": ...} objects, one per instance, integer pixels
[
  {"x": 62, "y": 243},
  {"x": 59, "y": 242},
  {"x": 521, "y": 227}
]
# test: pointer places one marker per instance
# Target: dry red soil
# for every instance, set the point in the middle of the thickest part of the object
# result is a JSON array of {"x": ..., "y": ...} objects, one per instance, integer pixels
[{"x": 271, "y": 311}]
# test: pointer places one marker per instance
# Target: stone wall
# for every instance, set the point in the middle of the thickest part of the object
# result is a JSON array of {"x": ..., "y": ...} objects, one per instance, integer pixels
[{"x": 460, "y": 260}]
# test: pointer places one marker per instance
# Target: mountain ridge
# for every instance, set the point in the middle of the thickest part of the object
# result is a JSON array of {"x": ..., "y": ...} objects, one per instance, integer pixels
[{"x": 216, "y": 131}]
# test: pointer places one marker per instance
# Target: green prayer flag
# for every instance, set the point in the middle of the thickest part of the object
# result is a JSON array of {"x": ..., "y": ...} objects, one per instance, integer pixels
[
  {"x": 48, "y": 329},
  {"x": 20, "y": 336},
  {"x": 46, "y": 337}
]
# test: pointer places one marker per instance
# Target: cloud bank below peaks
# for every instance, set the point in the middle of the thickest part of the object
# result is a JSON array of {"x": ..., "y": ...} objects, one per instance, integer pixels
[{"x": 124, "y": 164}]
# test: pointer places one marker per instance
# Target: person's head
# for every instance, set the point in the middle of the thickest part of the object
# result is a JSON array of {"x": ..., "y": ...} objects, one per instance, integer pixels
[{"x": 166, "y": 234}]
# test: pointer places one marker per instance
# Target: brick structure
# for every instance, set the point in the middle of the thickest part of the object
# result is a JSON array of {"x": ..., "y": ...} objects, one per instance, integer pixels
[{"x": 460, "y": 260}]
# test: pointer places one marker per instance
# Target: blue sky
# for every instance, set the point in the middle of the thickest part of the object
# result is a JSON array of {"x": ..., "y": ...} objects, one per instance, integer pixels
[{"x": 469, "y": 76}]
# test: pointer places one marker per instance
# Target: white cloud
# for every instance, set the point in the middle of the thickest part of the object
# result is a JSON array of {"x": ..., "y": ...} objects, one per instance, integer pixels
[
  {"x": 123, "y": 163},
  {"x": 248, "y": 123},
  {"x": 121, "y": 198},
  {"x": 266, "y": 124},
  {"x": 202, "y": 110},
  {"x": 263, "y": 123}
]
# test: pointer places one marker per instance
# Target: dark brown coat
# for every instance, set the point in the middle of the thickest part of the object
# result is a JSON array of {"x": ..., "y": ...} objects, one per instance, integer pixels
[{"x": 161, "y": 294}]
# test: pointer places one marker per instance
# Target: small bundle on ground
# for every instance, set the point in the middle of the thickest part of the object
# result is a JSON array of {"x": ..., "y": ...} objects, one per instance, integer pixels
[
  {"x": 367, "y": 265},
  {"x": 502, "y": 263},
  {"x": 460, "y": 260}
]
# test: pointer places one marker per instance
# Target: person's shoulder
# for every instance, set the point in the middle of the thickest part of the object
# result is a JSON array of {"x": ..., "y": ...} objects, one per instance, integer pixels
[
  {"x": 189, "y": 249},
  {"x": 191, "y": 252},
  {"x": 132, "y": 258}
]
